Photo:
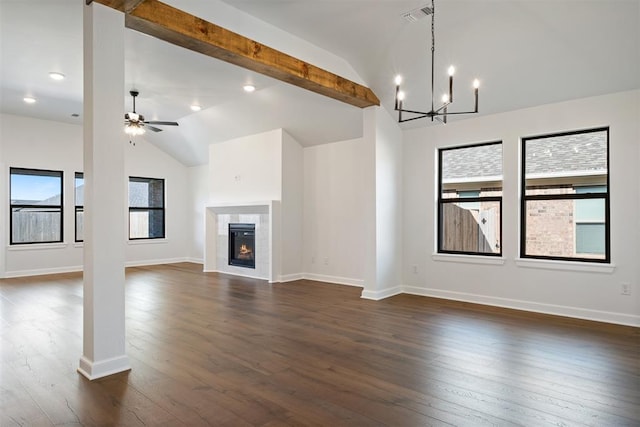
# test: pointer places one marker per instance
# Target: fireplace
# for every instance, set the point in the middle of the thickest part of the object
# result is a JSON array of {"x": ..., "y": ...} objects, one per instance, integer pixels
[{"x": 242, "y": 245}]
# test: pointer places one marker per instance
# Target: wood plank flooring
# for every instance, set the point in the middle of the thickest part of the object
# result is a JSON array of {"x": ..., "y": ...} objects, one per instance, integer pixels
[{"x": 211, "y": 349}]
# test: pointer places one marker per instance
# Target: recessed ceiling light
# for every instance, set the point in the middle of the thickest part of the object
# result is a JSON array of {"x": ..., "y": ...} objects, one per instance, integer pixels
[
  {"x": 249, "y": 88},
  {"x": 29, "y": 99},
  {"x": 196, "y": 107},
  {"x": 56, "y": 76}
]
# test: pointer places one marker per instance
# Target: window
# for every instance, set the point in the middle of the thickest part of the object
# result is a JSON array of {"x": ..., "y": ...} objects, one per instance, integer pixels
[
  {"x": 79, "y": 196},
  {"x": 470, "y": 199},
  {"x": 36, "y": 206},
  {"x": 565, "y": 196},
  {"x": 146, "y": 208}
]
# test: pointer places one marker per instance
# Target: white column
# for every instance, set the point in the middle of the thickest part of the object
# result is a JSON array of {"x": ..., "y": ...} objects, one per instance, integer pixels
[
  {"x": 104, "y": 197},
  {"x": 368, "y": 157}
]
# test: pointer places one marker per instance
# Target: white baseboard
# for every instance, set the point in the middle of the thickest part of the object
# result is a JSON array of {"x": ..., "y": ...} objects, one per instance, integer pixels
[
  {"x": 42, "y": 271},
  {"x": 142, "y": 263},
  {"x": 558, "y": 310},
  {"x": 334, "y": 279},
  {"x": 93, "y": 370},
  {"x": 291, "y": 277},
  {"x": 195, "y": 260},
  {"x": 382, "y": 294}
]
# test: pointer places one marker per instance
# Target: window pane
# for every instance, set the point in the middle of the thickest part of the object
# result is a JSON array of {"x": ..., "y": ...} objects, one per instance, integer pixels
[
  {"x": 550, "y": 229},
  {"x": 471, "y": 168},
  {"x": 590, "y": 239},
  {"x": 35, "y": 225},
  {"x": 146, "y": 224},
  {"x": 470, "y": 227},
  {"x": 79, "y": 185},
  {"x": 146, "y": 193},
  {"x": 556, "y": 162},
  {"x": 31, "y": 187},
  {"x": 79, "y": 224}
]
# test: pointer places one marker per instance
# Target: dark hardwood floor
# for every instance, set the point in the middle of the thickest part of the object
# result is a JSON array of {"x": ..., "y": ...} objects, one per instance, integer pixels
[{"x": 210, "y": 349}]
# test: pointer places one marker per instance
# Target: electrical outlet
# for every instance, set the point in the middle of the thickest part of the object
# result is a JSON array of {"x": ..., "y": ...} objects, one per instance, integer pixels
[
  {"x": 625, "y": 288},
  {"x": 313, "y": 260},
  {"x": 415, "y": 269},
  {"x": 326, "y": 261}
]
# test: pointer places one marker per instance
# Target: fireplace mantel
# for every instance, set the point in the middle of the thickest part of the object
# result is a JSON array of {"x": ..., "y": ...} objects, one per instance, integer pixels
[{"x": 269, "y": 213}]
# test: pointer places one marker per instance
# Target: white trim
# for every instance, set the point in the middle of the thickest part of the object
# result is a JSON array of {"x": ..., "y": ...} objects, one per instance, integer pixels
[
  {"x": 291, "y": 277},
  {"x": 469, "y": 259},
  {"x": 557, "y": 310},
  {"x": 142, "y": 263},
  {"x": 36, "y": 246},
  {"x": 239, "y": 275},
  {"x": 93, "y": 370},
  {"x": 587, "y": 267},
  {"x": 42, "y": 271},
  {"x": 382, "y": 294},
  {"x": 194, "y": 260},
  {"x": 334, "y": 279},
  {"x": 147, "y": 241}
]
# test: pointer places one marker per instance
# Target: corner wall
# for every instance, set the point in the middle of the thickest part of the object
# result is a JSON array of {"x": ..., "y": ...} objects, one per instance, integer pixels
[{"x": 577, "y": 290}]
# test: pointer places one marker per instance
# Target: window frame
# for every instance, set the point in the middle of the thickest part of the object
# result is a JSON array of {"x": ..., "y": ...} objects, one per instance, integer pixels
[
  {"x": 441, "y": 201},
  {"x": 605, "y": 196},
  {"x": 44, "y": 172},
  {"x": 77, "y": 207},
  {"x": 147, "y": 209}
]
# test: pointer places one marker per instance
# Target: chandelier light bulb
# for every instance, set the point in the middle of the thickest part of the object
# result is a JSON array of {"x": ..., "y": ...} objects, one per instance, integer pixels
[
  {"x": 445, "y": 98},
  {"x": 451, "y": 70},
  {"x": 401, "y": 96},
  {"x": 398, "y": 80},
  {"x": 476, "y": 84}
]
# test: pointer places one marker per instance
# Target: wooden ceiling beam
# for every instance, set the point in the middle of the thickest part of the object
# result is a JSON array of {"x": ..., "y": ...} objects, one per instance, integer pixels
[{"x": 175, "y": 26}]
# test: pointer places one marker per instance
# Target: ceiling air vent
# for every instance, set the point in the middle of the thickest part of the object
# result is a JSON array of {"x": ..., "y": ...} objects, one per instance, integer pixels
[{"x": 416, "y": 14}]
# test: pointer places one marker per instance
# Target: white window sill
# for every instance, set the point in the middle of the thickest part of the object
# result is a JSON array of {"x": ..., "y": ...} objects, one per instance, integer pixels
[
  {"x": 469, "y": 259},
  {"x": 36, "y": 246},
  {"x": 146, "y": 241},
  {"x": 78, "y": 244},
  {"x": 581, "y": 266}
]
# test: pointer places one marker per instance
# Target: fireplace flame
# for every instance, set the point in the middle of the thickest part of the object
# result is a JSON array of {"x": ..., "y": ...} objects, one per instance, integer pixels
[{"x": 245, "y": 252}]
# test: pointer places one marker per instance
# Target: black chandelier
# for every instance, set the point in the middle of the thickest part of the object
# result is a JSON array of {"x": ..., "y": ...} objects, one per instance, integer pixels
[{"x": 441, "y": 112}]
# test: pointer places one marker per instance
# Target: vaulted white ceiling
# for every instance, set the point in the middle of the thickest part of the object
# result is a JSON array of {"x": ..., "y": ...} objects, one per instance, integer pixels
[{"x": 525, "y": 52}]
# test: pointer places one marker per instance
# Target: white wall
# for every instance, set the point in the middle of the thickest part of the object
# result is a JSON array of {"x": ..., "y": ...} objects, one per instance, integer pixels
[
  {"x": 198, "y": 178},
  {"x": 388, "y": 205},
  {"x": 145, "y": 160},
  {"x": 43, "y": 144},
  {"x": 291, "y": 208},
  {"x": 584, "y": 291},
  {"x": 334, "y": 187},
  {"x": 246, "y": 169}
]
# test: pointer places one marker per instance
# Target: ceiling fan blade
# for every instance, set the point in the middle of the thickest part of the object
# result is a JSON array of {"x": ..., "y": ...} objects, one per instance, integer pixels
[
  {"x": 156, "y": 122},
  {"x": 152, "y": 128}
]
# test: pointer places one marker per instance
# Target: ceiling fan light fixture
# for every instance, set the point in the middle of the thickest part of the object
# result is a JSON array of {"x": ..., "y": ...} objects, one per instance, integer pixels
[
  {"x": 134, "y": 129},
  {"x": 56, "y": 75}
]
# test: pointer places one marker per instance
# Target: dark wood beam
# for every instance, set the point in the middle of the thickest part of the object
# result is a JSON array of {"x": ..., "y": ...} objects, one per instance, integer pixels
[{"x": 175, "y": 26}]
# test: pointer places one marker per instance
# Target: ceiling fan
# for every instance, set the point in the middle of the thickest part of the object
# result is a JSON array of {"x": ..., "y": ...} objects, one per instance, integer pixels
[{"x": 135, "y": 123}]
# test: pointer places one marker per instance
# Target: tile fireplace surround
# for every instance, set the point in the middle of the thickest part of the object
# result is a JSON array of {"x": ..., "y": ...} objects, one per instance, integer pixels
[{"x": 265, "y": 216}]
